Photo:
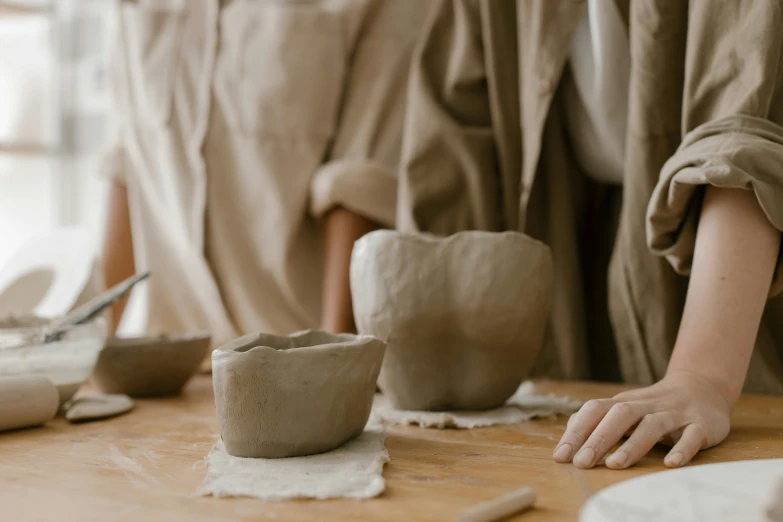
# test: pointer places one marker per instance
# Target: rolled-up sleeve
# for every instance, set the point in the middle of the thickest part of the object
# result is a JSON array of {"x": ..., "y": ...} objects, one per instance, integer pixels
[
  {"x": 732, "y": 118},
  {"x": 740, "y": 152},
  {"x": 361, "y": 171}
]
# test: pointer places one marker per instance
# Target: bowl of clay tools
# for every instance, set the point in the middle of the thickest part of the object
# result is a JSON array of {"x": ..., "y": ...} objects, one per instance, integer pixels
[{"x": 64, "y": 349}]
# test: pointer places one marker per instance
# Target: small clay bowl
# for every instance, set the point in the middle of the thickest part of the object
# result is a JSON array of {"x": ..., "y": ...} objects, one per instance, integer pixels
[
  {"x": 150, "y": 366},
  {"x": 288, "y": 396}
]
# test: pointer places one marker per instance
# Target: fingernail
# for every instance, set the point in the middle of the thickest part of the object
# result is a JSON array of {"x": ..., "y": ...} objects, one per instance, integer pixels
[
  {"x": 618, "y": 459},
  {"x": 584, "y": 458},
  {"x": 563, "y": 453},
  {"x": 675, "y": 459}
]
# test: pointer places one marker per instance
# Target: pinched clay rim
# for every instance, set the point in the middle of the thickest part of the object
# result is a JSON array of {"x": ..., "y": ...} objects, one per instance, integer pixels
[
  {"x": 434, "y": 238},
  {"x": 120, "y": 343},
  {"x": 279, "y": 344},
  {"x": 425, "y": 237}
]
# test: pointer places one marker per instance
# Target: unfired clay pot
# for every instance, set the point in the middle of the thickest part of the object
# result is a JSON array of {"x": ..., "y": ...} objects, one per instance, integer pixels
[
  {"x": 294, "y": 395},
  {"x": 463, "y": 317},
  {"x": 149, "y": 366}
]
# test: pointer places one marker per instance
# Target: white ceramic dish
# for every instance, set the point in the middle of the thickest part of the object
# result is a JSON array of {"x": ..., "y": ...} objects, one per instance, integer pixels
[
  {"x": 725, "y": 492},
  {"x": 67, "y": 362}
]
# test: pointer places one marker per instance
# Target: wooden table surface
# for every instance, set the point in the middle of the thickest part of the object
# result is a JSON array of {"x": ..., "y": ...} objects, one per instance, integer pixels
[{"x": 146, "y": 466}]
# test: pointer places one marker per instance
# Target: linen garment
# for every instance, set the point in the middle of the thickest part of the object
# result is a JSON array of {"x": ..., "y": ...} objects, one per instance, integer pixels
[
  {"x": 485, "y": 148},
  {"x": 241, "y": 124}
]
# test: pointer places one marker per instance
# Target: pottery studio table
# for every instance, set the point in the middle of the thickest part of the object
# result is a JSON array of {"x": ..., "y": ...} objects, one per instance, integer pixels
[{"x": 147, "y": 465}]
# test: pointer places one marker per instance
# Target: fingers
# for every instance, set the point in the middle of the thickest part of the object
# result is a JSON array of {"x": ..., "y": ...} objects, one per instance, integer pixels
[
  {"x": 649, "y": 432},
  {"x": 687, "y": 447},
  {"x": 610, "y": 430},
  {"x": 580, "y": 426}
]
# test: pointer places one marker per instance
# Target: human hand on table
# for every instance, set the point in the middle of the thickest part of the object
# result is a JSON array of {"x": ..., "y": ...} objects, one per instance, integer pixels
[{"x": 682, "y": 410}]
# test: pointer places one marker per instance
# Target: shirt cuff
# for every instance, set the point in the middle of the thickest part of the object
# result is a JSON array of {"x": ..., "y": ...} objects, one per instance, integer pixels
[
  {"x": 740, "y": 152},
  {"x": 366, "y": 188}
]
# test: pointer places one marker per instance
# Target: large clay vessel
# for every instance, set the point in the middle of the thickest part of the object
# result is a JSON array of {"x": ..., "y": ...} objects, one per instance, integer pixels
[
  {"x": 463, "y": 316},
  {"x": 288, "y": 396}
]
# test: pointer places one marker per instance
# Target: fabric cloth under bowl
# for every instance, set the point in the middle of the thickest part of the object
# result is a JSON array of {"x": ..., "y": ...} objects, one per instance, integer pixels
[
  {"x": 524, "y": 405},
  {"x": 354, "y": 470}
]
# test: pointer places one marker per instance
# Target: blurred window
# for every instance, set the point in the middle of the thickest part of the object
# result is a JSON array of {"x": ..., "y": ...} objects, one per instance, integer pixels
[{"x": 54, "y": 116}]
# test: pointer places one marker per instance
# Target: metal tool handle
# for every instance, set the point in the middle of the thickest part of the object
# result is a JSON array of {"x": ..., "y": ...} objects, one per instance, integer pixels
[{"x": 92, "y": 307}]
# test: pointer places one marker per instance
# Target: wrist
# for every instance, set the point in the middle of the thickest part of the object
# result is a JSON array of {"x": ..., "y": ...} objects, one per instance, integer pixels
[
  {"x": 712, "y": 357},
  {"x": 724, "y": 385},
  {"x": 337, "y": 325}
]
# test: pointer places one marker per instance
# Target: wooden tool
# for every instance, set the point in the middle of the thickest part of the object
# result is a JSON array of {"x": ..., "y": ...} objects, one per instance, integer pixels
[
  {"x": 26, "y": 400},
  {"x": 501, "y": 507}
]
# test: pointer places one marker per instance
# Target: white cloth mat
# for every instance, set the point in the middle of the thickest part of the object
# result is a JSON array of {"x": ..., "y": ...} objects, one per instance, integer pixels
[
  {"x": 523, "y": 406},
  {"x": 354, "y": 470}
]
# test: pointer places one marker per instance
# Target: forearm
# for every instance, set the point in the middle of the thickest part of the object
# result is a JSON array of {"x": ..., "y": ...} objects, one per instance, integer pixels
[
  {"x": 734, "y": 260},
  {"x": 343, "y": 228},
  {"x": 117, "y": 256}
]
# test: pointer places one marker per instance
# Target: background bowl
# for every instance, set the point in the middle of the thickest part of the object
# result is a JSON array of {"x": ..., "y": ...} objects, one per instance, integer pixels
[
  {"x": 66, "y": 362},
  {"x": 150, "y": 366}
]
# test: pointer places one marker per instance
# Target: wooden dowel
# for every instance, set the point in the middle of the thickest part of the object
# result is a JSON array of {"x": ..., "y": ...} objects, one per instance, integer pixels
[{"x": 501, "y": 507}]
